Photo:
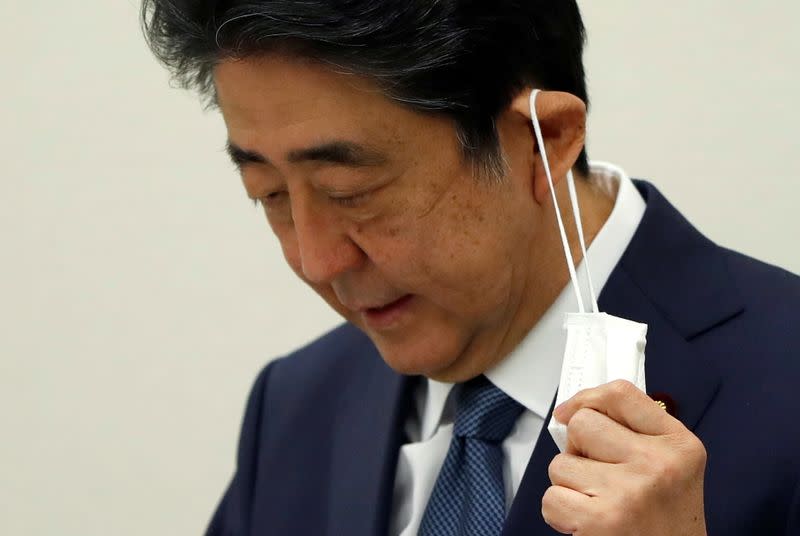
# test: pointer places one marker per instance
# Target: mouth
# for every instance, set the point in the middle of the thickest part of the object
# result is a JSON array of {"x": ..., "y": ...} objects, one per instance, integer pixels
[{"x": 387, "y": 315}]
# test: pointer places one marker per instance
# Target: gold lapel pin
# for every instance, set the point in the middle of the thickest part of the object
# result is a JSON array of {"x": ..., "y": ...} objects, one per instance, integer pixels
[{"x": 665, "y": 402}]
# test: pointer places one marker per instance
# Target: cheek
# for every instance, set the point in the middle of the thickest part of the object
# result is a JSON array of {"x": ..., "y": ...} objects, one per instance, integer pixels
[
  {"x": 473, "y": 277},
  {"x": 481, "y": 250},
  {"x": 453, "y": 261}
]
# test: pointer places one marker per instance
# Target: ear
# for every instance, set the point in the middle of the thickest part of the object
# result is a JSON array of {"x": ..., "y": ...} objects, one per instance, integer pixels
[{"x": 562, "y": 117}]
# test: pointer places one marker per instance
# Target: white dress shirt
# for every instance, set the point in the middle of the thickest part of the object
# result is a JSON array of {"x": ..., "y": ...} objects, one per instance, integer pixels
[{"x": 530, "y": 374}]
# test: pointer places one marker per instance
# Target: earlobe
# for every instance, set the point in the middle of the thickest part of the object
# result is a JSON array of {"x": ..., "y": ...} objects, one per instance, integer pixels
[{"x": 562, "y": 117}]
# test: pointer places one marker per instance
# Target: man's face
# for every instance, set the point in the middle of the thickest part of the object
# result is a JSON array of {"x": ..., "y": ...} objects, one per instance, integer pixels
[{"x": 376, "y": 209}]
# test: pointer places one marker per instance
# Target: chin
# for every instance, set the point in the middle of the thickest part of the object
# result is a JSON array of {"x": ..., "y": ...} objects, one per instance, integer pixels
[{"x": 417, "y": 357}]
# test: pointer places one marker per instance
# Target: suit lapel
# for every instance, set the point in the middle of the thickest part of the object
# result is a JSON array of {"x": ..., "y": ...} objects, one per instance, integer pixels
[
  {"x": 525, "y": 517},
  {"x": 365, "y": 448},
  {"x": 676, "y": 281}
]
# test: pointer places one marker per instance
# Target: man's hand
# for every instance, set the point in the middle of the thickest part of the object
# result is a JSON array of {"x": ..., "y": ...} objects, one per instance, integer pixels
[{"x": 630, "y": 468}]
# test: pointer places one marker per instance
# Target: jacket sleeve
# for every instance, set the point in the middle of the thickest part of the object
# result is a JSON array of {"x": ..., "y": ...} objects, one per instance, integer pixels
[{"x": 233, "y": 514}]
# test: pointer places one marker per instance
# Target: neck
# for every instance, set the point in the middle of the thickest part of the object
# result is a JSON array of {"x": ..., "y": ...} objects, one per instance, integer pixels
[
  {"x": 596, "y": 207},
  {"x": 549, "y": 275}
]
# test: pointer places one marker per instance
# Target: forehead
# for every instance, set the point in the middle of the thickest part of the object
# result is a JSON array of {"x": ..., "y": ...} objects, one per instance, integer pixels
[
  {"x": 274, "y": 86},
  {"x": 276, "y": 100}
]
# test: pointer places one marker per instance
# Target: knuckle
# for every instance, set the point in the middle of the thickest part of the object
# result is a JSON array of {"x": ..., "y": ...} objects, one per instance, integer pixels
[
  {"x": 583, "y": 393},
  {"x": 695, "y": 446},
  {"x": 574, "y": 437},
  {"x": 582, "y": 418},
  {"x": 557, "y": 467},
  {"x": 549, "y": 503},
  {"x": 622, "y": 388},
  {"x": 702, "y": 454},
  {"x": 547, "y": 498},
  {"x": 695, "y": 452},
  {"x": 585, "y": 396},
  {"x": 580, "y": 425},
  {"x": 688, "y": 446}
]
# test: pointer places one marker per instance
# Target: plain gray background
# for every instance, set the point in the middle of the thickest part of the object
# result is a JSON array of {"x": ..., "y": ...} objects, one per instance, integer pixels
[{"x": 141, "y": 292}]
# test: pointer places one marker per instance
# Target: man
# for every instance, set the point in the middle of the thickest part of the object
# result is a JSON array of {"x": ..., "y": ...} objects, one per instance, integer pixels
[{"x": 391, "y": 145}]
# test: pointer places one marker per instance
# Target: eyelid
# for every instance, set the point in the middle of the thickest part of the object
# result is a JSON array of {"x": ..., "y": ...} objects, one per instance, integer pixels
[
  {"x": 354, "y": 196},
  {"x": 349, "y": 200},
  {"x": 343, "y": 198},
  {"x": 266, "y": 198}
]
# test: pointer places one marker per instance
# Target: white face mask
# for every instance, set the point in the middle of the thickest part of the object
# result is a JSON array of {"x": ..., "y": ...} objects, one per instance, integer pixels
[{"x": 600, "y": 348}]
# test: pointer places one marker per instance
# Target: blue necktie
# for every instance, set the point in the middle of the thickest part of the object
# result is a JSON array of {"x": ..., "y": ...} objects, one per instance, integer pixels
[{"x": 469, "y": 496}]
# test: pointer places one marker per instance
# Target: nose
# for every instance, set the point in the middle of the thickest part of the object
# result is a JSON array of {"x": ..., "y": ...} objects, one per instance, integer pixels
[{"x": 324, "y": 248}]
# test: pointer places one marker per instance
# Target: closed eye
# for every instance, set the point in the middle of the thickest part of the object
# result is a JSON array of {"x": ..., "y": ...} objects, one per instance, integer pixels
[
  {"x": 270, "y": 199},
  {"x": 350, "y": 201}
]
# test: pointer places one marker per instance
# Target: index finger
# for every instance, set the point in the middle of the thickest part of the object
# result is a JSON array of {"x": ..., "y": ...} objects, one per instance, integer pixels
[{"x": 626, "y": 404}]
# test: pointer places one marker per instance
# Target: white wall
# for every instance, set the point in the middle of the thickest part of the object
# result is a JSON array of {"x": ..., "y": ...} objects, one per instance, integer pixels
[
  {"x": 701, "y": 96},
  {"x": 140, "y": 292}
]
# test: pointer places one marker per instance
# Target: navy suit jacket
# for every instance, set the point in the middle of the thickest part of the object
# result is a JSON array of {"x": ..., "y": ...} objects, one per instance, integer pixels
[{"x": 323, "y": 426}]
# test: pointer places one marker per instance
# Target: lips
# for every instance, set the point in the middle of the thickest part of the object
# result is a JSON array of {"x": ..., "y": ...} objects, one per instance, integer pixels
[
  {"x": 373, "y": 306},
  {"x": 384, "y": 307},
  {"x": 387, "y": 315}
]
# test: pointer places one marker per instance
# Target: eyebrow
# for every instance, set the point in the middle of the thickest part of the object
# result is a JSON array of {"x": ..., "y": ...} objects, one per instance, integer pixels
[{"x": 344, "y": 153}]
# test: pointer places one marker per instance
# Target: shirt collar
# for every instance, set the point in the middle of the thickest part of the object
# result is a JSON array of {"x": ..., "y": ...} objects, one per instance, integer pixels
[{"x": 530, "y": 373}]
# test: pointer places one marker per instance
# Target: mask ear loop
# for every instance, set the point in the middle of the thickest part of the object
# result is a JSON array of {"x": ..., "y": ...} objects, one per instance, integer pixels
[
  {"x": 565, "y": 243},
  {"x": 573, "y": 198}
]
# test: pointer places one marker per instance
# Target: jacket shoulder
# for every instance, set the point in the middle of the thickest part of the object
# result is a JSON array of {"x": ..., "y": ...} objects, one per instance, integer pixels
[
  {"x": 336, "y": 352},
  {"x": 763, "y": 284},
  {"x": 309, "y": 382}
]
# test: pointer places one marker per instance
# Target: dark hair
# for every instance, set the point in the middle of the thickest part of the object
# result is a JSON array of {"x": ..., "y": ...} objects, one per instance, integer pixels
[{"x": 462, "y": 58}]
